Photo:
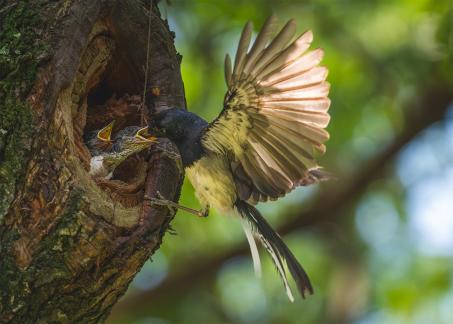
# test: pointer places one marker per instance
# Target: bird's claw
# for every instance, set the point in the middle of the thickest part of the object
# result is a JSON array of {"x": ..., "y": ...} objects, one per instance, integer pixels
[
  {"x": 204, "y": 212},
  {"x": 161, "y": 197}
]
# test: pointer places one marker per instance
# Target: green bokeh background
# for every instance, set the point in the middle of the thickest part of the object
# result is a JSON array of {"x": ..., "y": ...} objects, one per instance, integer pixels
[{"x": 385, "y": 254}]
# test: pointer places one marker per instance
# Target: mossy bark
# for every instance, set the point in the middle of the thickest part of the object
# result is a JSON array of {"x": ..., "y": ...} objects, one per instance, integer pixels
[{"x": 67, "y": 251}]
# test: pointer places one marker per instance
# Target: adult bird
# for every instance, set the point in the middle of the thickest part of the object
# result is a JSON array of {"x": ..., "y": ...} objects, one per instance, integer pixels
[
  {"x": 262, "y": 144},
  {"x": 128, "y": 141}
]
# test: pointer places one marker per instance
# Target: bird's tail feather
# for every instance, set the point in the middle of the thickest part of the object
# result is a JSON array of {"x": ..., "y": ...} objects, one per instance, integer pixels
[
  {"x": 253, "y": 248},
  {"x": 276, "y": 248}
]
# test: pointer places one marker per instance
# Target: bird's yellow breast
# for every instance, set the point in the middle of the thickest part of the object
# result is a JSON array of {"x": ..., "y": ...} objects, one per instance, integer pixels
[{"x": 213, "y": 182}]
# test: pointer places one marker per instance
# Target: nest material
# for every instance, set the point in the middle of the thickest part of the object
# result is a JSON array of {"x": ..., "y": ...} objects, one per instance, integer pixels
[
  {"x": 125, "y": 111},
  {"x": 127, "y": 185}
]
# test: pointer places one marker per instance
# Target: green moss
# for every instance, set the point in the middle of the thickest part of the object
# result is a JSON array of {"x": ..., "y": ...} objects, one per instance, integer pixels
[
  {"x": 62, "y": 235},
  {"x": 9, "y": 276},
  {"x": 20, "y": 52},
  {"x": 47, "y": 271},
  {"x": 19, "y": 56}
]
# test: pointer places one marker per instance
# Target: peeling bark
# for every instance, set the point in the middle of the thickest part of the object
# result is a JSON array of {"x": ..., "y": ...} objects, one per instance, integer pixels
[{"x": 68, "y": 251}]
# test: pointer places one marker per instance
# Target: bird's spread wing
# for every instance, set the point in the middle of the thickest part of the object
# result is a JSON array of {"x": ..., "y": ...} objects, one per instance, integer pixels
[{"x": 274, "y": 114}]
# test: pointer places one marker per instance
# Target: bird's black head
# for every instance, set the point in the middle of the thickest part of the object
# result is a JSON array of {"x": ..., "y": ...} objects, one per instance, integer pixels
[
  {"x": 182, "y": 127},
  {"x": 176, "y": 124}
]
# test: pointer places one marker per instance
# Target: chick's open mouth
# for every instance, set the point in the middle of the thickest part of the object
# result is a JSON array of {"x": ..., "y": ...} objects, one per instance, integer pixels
[{"x": 143, "y": 135}]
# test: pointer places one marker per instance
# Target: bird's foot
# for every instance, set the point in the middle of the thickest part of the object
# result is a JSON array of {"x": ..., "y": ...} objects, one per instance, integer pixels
[
  {"x": 204, "y": 212},
  {"x": 172, "y": 206}
]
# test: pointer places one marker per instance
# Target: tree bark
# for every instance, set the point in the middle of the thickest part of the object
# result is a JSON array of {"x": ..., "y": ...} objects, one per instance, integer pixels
[{"x": 68, "y": 251}]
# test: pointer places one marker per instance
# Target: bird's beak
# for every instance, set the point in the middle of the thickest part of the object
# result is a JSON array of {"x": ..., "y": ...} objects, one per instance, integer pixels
[
  {"x": 143, "y": 135},
  {"x": 105, "y": 133}
]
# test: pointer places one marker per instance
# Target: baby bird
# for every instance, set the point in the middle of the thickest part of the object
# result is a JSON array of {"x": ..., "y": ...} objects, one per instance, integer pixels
[
  {"x": 99, "y": 141},
  {"x": 128, "y": 141}
]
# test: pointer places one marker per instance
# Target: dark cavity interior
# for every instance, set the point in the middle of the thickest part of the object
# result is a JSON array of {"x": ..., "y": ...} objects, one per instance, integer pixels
[{"x": 115, "y": 96}]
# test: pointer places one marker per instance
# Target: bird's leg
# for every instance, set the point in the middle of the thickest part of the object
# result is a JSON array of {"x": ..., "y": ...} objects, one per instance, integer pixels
[{"x": 161, "y": 201}]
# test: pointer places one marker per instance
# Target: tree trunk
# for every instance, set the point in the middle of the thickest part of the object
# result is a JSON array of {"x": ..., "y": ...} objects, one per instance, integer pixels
[{"x": 69, "y": 247}]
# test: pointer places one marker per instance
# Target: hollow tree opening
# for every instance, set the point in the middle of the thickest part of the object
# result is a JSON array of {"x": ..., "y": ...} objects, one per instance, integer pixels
[{"x": 106, "y": 89}]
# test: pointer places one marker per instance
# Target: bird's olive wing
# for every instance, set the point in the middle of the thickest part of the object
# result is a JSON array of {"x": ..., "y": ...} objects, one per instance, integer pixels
[{"x": 274, "y": 114}]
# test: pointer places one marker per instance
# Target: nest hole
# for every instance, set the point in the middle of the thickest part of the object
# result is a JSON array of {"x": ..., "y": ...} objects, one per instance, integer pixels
[{"x": 106, "y": 89}]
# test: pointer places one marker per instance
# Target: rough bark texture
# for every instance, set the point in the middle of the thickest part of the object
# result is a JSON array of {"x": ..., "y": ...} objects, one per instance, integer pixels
[{"x": 67, "y": 250}]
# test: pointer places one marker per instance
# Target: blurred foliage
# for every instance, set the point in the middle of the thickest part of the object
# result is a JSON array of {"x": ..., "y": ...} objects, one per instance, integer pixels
[{"x": 387, "y": 258}]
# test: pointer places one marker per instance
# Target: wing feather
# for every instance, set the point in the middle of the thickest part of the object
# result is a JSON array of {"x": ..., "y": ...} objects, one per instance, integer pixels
[
  {"x": 313, "y": 134},
  {"x": 261, "y": 183},
  {"x": 260, "y": 43},
  {"x": 304, "y": 63},
  {"x": 275, "y": 47},
  {"x": 313, "y": 76},
  {"x": 286, "y": 158},
  {"x": 315, "y": 105},
  {"x": 275, "y": 113},
  {"x": 241, "y": 52},
  {"x": 285, "y": 165},
  {"x": 300, "y": 117},
  {"x": 289, "y": 55},
  {"x": 278, "y": 177},
  {"x": 228, "y": 71},
  {"x": 273, "y": 180},
  {"x": 297, "y": 146},
  {"x": 318, "y": 90}
]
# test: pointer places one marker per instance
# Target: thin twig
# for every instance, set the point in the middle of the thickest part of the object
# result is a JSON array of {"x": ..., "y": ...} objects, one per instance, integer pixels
[{"x": 143, "y": 119}]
